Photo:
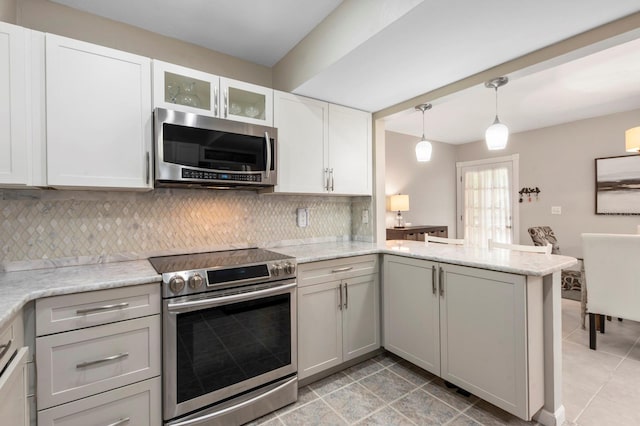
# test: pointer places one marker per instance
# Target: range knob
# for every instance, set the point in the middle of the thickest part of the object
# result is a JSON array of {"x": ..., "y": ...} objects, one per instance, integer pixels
[
  {"x": 276, "y": 269},
  {"x": 289, "y": 268},
  {"x": 195, "y": 281},
  {"x": 176, "y": 284}
]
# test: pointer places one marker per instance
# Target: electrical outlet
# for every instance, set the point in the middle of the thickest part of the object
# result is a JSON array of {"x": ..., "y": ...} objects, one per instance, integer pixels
[
  {"x": 556, "y": 210},
  {"x": 365, "y": 216},
  {"x": 302, "y": 217}
]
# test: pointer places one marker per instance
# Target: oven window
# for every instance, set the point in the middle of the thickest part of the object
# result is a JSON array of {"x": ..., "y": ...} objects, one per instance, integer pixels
[{"x": 220, "y": 346}]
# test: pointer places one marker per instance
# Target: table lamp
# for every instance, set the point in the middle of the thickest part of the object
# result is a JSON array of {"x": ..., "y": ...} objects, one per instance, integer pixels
[{"x": 399, "y": 203}]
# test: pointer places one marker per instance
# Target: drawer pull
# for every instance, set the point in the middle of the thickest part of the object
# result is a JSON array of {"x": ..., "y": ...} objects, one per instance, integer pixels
[
  {"x": 5, "y": 348},
  {"x": 102, "y": 308},
  {"x": 346, "y": 268},
  {"x": 102, "y": 360},
  {"x": 120, "y": 422}
]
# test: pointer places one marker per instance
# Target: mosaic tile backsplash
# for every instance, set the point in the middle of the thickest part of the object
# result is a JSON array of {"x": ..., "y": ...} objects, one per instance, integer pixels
[{"x": 101, "y": 226}]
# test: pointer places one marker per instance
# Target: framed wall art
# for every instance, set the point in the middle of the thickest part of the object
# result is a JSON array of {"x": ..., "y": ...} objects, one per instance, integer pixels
[{"x": 618, "y": 185}]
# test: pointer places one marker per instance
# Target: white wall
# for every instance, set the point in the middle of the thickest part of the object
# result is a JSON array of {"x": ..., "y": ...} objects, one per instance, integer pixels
[
  {"x": 431, "y": 186},
  {"x": 560, "y": 161}
]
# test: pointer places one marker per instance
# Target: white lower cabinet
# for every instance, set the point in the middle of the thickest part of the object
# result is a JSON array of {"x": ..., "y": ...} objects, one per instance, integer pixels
[
  {"x": 98, "y": 357},
  {"x": 136, "y": 404},
  {"x": 338, "y": 312},
  {"x": 478, "y": 329},
  {"x": 13, "y": 391}
]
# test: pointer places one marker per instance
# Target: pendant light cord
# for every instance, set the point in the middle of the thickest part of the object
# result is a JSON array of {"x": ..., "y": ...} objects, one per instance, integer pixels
[{"x": 423, "y": 138}]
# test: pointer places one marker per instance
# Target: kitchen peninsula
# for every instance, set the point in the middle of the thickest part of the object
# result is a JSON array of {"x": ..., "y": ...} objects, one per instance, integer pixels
[{"x": 460, "y": 283}]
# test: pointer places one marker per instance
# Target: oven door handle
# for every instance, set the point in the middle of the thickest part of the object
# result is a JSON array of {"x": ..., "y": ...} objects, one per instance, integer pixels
[
  {"x": 267, "y": 142},
  {"x": 225, "y": 300}
]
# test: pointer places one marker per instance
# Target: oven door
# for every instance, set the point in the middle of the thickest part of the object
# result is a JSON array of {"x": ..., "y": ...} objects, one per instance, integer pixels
[{"x": 224, "y": 343}]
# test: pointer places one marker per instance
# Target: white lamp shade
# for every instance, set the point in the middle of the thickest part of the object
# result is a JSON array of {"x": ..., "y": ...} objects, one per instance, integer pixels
[
  {"x": 632, "y": 139},
  {"x": 399, "y": 203},
  {"x": 497, "y": 136},
  {"x": 423, "y": 151}
]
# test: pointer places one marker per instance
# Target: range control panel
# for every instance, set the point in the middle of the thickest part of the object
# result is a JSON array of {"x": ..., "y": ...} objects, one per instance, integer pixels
[{"x": 237, "y": 177}]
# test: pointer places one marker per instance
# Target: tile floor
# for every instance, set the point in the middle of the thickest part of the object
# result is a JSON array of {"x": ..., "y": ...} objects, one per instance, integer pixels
[{"x": 599, "y": 388}]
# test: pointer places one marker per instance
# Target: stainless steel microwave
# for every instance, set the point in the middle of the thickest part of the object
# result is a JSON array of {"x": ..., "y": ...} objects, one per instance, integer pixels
[{"x": 198, "y": 151}]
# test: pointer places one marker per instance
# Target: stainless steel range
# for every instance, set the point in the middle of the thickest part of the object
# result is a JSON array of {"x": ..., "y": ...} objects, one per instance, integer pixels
[{"x": 229, "y": 335}]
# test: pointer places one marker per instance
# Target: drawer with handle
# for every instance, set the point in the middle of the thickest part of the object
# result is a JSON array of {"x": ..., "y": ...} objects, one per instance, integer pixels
[
  {"x": 80, "y": 363},
  {"x": 79, "y": 310},
  {"x": 328, "y": 270},
  {"x": 136, "y": 404}
]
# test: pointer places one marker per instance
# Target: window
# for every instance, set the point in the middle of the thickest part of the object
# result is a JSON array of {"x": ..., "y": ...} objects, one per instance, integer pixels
[{"x": 486, "y": 203}]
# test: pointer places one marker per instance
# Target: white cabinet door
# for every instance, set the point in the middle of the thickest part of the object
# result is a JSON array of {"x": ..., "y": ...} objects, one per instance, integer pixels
[
  {"x": 98, "y": 116},
  {"x": 14, "y": 409},
  {"x": 21, "y": 106},
  {"x": 302, "y": 125},
  {"x": 411, "y": 311},
  {"x": 350, "y": 157},
  {"x": 361, "y": 318},
  {"x": 183, "y": 89},
  {"x": 319, "y": 328},
  {"x": 246, "y": 102},
  {"x": 483, "y": 320}
]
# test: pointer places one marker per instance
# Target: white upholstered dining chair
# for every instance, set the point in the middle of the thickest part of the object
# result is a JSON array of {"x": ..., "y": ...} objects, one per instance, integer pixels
[
  {"x": 441, "y": 240},
  {"x": 612, "y": 276},
  {"x": 520, "y": 247}
]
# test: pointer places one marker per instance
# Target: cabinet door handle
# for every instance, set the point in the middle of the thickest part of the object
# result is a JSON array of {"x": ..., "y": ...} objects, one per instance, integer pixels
[
  {"x": 441, "y": 277},
  {"x": 346, "y": 268},
  {"x": 215, "y": 101},
  {"x": 102, "y": 360},
  {"x": 340, "y": 291},
  {"x": 226, "y": 100},
  {"x": 147, "y": 159},
  {"x": 326, "y": 179},
  {"x": 346, "y": 295},
  {"x": 5, "y": 348},
  {"x": 102, "y": 308},
  {"x": 331, "y": 174},
  {"x": 120, "y": 422},
  {"x": 433, "y": 279}
]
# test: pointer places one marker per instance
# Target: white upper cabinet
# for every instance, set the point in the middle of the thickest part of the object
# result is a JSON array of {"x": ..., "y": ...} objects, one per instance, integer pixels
[
  {"x": 350, "y": 151},
  {"x": 21, "y": 99},
  {"x": 99, "y": 116},
  {"x": 322, "y": 148},
  {"x": 303, "y": 132},
  {"x": 188, "y": 90}
]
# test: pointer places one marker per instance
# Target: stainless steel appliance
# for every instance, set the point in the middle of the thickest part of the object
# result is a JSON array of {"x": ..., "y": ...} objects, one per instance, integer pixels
[
  {"x": 200, "y": 151},
  {"x": 229, "y": 336}
]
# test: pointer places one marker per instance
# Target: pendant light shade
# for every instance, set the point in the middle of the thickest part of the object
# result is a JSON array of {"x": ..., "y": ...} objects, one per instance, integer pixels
[
  {"x": 423, "y": 148},
  {"x": 496, "y": 135}
]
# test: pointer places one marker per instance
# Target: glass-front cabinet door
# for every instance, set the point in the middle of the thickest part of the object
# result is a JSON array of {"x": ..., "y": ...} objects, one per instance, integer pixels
[
  {"x": 246, "y": 102},
  {"x": 184, "y": 89}
]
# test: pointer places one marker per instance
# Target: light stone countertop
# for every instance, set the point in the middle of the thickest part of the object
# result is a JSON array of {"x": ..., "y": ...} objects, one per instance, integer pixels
[{"x": 18, "y": 288}]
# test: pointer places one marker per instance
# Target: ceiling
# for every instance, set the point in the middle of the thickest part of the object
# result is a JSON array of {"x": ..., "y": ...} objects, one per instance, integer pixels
[{"x": 433, "y": 44}]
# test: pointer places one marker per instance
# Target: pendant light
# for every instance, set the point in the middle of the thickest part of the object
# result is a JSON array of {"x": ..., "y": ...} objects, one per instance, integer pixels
[
  {"x": 423, "y": 148},
  {"x": 497, "y": 134}
]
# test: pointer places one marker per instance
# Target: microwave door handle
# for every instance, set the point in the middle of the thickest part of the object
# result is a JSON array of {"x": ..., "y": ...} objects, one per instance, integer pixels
[{"x": 268, "y": 146}]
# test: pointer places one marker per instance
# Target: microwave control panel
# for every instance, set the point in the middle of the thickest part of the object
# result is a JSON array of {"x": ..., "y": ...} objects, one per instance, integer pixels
[{"x": 237, "y": 177}]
